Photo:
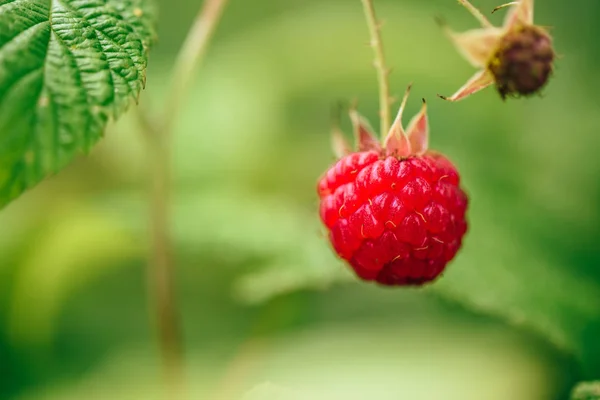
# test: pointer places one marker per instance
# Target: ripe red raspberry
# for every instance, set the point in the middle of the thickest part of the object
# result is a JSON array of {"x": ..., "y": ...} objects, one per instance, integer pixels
[{"x": 395, "y": 213}]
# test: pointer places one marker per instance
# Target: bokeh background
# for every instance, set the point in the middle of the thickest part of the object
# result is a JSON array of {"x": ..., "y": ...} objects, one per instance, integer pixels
[{"x": 268, "y": 311}]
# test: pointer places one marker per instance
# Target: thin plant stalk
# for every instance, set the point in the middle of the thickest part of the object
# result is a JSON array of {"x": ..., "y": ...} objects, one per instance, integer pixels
[
  {"x": 476, "y": 13},
  {"x": 161, "y": 267},
  {"x": 190, "y": 56},
  {"x": 382, "y": 71}
]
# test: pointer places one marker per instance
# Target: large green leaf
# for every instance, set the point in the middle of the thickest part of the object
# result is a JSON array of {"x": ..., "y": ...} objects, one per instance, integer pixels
[{"x": 66, "y": 67}]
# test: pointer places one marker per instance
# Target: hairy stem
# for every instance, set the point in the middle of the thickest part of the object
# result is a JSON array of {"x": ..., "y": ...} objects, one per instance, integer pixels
[
  {"x": 382, "y": 71},
  {"x": 161, "y": 268}
]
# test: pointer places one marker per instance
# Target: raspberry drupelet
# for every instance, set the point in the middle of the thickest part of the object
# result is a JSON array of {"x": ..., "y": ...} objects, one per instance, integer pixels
[{"x": 395, "y": 212}]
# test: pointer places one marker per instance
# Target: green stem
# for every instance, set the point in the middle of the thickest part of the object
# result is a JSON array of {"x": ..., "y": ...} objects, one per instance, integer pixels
[
  {"x": 161, "y": 268},
  {"x": 382, "y": 71},
  {"x": 190, "y": 56},
  {"x": 476, "y": 13}
]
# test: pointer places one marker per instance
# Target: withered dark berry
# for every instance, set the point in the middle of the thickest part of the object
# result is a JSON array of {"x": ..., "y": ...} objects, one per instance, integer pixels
[
  {"x": 517, "y": 57},
  {"x": 523, "y": 62}
]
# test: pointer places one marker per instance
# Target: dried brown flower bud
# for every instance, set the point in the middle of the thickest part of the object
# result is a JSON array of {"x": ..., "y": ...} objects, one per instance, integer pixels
[
  {"x": 523, "y": 62},
  {"x": 517, "y": 57}
]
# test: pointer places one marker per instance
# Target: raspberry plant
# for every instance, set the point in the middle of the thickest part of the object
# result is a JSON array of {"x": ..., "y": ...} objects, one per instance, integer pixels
[
  {"x": 32, "y": 147},
  {"x": 395, "y": 211}
]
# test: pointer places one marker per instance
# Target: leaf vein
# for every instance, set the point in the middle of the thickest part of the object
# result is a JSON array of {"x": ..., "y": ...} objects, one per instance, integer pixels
[
  {"x": 90, "y": 22},
  {"x": 37, "y": 24},
  {"x": 99, "y": 33},
  {"x": 9, "y": 2}
]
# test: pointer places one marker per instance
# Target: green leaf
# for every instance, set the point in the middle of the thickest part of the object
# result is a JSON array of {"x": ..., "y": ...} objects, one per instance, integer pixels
[
  {"x": 586, "y": 391},
  {"x": 66, "y": 67}
]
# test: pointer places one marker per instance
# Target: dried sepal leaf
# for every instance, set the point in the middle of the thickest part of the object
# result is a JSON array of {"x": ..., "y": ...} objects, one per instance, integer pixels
[
  {"x": 521, "y": 13},
  {"x": 418, "y": 131},
  {"x": 339, "y": 144},
  {"x": 363, "y": 133},
  {"x": 479, "y": 81},
  {"x": 396, "y": 142},
  {"x": 476, "y": 45},
  {"x": 512, "y": 3}
]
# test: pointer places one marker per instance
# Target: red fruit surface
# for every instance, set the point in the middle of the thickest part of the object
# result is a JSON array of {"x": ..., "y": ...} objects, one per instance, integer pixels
[{"x": 396, "y": 221}]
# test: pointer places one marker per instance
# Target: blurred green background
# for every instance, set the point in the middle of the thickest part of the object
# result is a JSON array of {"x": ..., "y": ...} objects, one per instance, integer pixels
[{"x": 268, "y": 311}]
